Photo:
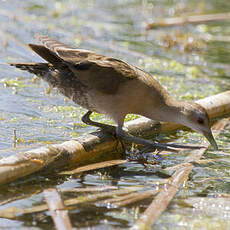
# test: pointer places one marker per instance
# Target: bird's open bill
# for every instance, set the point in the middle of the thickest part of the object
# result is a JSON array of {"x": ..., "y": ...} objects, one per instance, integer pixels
[{"x": 211, "y": 139}]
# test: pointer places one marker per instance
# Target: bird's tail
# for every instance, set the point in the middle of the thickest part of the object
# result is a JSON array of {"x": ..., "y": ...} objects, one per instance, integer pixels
[
  {"x": 40, "y": 69},
  {"x": 45, "y": 71}
]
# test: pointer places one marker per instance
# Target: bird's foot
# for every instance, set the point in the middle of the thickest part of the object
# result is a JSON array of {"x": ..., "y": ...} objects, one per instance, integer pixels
[
  {"x": 147, "y": 143},
  {"x": 153, "y": 145},
  {"x": 110, "y": 129}
]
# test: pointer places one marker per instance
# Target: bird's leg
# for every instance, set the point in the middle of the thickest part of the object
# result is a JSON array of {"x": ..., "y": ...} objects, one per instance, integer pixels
[
  {"x": 147, "y": 143},
  {"x": 108, "y": 128}
]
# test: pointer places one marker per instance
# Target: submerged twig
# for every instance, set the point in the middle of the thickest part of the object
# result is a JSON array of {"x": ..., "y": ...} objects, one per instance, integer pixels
[
  {"x": 57, "y": 209},
  {"x": 161, "y": 201}
]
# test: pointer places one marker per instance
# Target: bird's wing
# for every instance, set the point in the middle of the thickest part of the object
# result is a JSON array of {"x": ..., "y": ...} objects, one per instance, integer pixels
[
  {"x": 93, "y": 70},
  {"x": 46, "y": 54},
  {"x": 51, "y": 43}
]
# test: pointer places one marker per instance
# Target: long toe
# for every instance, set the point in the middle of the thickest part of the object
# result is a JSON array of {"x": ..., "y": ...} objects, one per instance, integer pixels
[
  {"x": 147, "y": 148},
  {"x": 147, "y": 143},
  {"x": 160, "y": 146},
  {"x": 180, "y": 146}
]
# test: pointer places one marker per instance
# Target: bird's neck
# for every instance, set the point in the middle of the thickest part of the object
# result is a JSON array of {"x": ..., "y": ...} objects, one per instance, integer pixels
[{"x": 171, "y": 111}]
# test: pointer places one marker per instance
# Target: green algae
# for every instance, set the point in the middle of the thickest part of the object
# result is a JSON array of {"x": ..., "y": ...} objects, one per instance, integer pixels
[{"x": 18, "y": 83}]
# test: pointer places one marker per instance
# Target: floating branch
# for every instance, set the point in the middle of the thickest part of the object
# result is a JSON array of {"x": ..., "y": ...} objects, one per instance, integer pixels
[
  {"x": 162, "y": 200},
  {"x": 94, "y": 146},
  {"x": 195, "y": 19}
]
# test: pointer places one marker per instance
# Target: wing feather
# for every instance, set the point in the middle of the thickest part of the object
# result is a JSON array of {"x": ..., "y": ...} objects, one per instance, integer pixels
[{"x": 93, "y": 70}]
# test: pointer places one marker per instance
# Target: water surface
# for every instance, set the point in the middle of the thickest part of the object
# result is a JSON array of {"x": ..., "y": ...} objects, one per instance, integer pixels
[{"x": 192, "y": 62}]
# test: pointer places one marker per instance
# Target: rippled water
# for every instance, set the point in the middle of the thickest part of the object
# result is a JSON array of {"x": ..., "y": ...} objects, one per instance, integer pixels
[{"x": 195, "y": 66}]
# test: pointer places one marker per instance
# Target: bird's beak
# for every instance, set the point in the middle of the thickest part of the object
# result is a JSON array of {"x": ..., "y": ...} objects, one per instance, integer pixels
[{"x": 210, "y": 138}]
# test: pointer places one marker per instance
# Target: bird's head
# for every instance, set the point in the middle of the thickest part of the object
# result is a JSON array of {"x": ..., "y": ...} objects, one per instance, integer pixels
[{"x": 196, "y": 118}]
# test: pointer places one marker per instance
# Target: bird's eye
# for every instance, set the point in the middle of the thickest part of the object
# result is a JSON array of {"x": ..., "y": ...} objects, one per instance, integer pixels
[{"x": 200, "y": 120}]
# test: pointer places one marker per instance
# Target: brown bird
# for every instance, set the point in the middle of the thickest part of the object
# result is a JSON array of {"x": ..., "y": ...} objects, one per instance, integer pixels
[{"x": 113, "y": 87}]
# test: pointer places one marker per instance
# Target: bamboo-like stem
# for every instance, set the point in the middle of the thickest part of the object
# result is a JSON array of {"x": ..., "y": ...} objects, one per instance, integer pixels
[
  {"x": 194, "y": 19},
  {"x": 162, "y": 200},
  {"x": 57, "y": 209},
  {"x": 94, "y": 146},
  {"x": 13, "y": 212}
]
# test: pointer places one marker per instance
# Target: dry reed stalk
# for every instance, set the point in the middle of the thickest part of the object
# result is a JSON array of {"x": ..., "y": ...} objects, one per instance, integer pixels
[
  {"x": 194, "y": 19},
  {"x": 163, "y": 198}
]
